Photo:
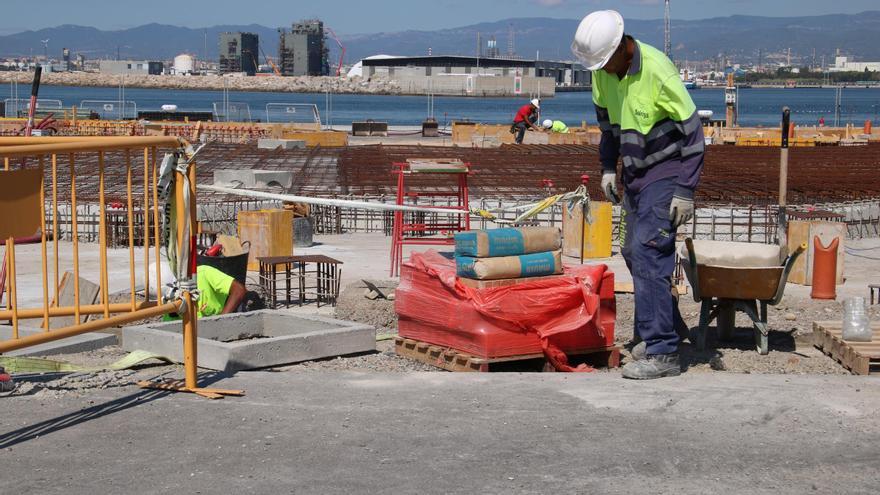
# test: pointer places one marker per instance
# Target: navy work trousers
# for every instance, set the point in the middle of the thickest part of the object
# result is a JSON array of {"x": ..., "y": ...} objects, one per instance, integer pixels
[
  {"x": 521, "y": 127},
  {"x": 648, "y": 241}
]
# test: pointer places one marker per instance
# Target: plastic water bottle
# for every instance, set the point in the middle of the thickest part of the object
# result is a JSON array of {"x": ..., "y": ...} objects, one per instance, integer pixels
[{"x": 856, "y": 325}]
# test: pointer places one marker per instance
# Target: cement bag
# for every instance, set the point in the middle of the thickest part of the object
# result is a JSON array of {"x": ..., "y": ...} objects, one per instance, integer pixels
[
  {"x": 526, "y": 265},
  {"x": 507, "y": 242}
]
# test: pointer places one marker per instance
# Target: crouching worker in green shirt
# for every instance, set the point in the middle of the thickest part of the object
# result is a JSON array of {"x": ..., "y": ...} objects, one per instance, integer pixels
[
  {"x": 556, "y": 126},
  {"x": 220, "y": 294}
]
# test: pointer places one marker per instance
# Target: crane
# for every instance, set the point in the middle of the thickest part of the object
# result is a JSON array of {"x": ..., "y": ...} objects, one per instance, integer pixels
[
  {"x": 270, "y": 62},
  {"x": 341, "y": 49}
]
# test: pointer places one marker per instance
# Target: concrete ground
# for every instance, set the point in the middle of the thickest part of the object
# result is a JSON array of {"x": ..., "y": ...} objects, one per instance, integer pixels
[
  {"x": 377, "y": 432},
  {"x": 452, "y": 433}
]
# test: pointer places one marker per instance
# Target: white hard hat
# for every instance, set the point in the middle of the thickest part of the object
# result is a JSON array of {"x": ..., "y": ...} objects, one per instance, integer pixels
[
  {"x": 548, "y": 124},
  {"x": 536, "y": 102},
  {"x": 597, "y": 38}
]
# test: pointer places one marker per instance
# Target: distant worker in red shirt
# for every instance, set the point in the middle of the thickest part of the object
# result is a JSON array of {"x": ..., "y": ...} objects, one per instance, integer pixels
[{"x": 526, "y": 117}]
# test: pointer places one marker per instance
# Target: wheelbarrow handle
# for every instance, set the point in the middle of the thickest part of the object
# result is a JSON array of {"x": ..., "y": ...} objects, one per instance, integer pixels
[
  {"x": 692, "y": 262},
  {"x": 787, "y": 267},
  {"x": 794, "y": 256}
]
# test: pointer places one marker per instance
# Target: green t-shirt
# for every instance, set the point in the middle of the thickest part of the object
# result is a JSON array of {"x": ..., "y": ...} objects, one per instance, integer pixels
[{"x": 214, "y": 288}]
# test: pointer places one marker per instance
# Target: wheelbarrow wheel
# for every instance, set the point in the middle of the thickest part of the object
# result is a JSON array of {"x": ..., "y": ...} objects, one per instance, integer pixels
[{"x": 762, "y": 343}]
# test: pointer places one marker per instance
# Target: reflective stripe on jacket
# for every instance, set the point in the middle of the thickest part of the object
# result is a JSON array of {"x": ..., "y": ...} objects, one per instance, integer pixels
[{"x": 649, "y": 120}]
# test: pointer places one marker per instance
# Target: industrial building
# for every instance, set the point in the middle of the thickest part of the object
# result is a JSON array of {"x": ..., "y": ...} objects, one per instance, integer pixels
[
  {"x": 563, "y": 73},
  {"x": 302, "y": 51},
  {"x": 139, "y": 67},
  {"x": 239, "y": 52},
  {"x": 843, "y": 64},
  {"x": 474, "y": 76}
]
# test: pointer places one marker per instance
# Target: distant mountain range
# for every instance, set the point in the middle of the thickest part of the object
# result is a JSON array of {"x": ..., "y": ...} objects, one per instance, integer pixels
[{"x": 741, "y": 38}]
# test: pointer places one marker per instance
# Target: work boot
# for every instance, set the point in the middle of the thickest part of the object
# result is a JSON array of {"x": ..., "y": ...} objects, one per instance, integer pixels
[
  {"x": 639, "y": 352},
  {"x": 6, "y": 383},
  {"x": 653, "y": 366}
]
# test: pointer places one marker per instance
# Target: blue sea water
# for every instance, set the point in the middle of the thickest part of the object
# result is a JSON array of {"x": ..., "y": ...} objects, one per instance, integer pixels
[{"x": 757, "y": 107}]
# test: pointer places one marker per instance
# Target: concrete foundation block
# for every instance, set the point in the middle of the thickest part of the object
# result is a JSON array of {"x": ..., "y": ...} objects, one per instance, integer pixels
[
  {"x": 273, "y": 178},
  {"x": 79, "y": 343},
  {"x": 260, "y": 179},
  {"x": 254, "y": 340},
  {"x": 285, "y": 144}
]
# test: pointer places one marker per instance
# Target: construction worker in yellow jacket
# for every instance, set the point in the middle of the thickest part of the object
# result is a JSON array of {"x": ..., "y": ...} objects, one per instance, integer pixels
[{"x": 649, "y": 122}]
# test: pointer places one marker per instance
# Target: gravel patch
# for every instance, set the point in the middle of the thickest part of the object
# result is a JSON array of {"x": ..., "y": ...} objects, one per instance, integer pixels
[
  {"x": 352, "y": 305},
  {"x": 53, "y": 385},
  {"x": 791, "y": 338},
  {"x": 384, "y": 360}
]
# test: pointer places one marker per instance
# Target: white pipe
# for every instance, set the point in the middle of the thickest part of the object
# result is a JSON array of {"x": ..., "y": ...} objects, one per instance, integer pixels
[{"x": 345, "y": 203}]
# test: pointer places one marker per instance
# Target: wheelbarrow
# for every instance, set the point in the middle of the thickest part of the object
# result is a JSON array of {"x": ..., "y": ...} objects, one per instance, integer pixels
[{"x": 727, "y": 277}]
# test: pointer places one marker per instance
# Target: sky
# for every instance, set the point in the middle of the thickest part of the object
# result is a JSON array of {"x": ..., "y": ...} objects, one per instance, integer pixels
[{"x": 365, "y": 16}]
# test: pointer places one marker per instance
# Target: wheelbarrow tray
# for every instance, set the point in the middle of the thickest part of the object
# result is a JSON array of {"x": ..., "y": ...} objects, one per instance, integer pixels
[
  {"x": 760, "y": 271},
  {"x": 725, "y": 282}
]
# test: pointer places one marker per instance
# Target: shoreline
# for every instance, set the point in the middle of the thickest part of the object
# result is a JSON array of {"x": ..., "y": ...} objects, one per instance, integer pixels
[
  {"x": 262, "y": 84},
  {"x": 255, "y": 84}
]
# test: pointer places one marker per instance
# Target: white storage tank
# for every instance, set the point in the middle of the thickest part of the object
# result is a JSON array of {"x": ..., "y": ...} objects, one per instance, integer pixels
[{"x": 184, "y": 64}]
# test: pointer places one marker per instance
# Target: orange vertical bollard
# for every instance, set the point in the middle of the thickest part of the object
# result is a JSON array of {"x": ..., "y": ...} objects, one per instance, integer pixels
[
  {"x": 868, "y": 124},
  {"x": 824, "y": 269}
]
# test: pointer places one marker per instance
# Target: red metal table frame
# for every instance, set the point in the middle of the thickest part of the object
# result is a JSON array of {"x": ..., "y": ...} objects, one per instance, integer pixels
[{"x": 402, "y": 233}]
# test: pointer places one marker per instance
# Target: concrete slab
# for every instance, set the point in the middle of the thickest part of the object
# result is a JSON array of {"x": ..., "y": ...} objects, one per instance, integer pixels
[
  {"x": 260, "y": 179},
  {"x": 88, "y": 294},
  {"x": 505, "y": 433},
  {"x": 78, "y": 343},
  {"x": 254, "y": 340}
]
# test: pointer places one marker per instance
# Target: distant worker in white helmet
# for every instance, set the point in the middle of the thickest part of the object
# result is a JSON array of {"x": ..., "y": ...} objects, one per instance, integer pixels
[
  {"x": 525, "y": 118},
  {"x": 648, "y": 119},
  {"x": 555, "y": 126}
]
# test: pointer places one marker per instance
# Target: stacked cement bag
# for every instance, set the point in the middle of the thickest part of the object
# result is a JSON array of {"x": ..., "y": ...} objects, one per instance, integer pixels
[{"x": 508, "y": 253}]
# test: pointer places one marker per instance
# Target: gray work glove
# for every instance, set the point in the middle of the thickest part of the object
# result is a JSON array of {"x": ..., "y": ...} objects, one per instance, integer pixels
[
  {"x": 681, "y": 210},
  {"x": 609, "y": 186}
]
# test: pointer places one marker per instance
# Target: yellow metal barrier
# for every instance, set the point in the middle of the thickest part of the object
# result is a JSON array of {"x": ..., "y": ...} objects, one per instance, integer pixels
[{"x": 29, "y": 152}]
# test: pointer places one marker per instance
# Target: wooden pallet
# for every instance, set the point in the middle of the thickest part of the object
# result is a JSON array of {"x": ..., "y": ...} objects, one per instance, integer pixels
[
  {"x": 452, "y": 360},
  {"x": 862, "y": 358}
]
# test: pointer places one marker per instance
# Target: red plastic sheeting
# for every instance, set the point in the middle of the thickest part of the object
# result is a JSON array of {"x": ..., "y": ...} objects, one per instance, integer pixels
[{"x": 567, "y": 314}]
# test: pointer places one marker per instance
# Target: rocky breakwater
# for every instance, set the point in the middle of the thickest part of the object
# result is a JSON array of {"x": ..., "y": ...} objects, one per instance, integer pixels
[{"x": 299, "y": 84}]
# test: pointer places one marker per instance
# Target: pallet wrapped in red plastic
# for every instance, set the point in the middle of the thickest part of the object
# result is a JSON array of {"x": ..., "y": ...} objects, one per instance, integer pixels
[{"x": 572, "y": 313}]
